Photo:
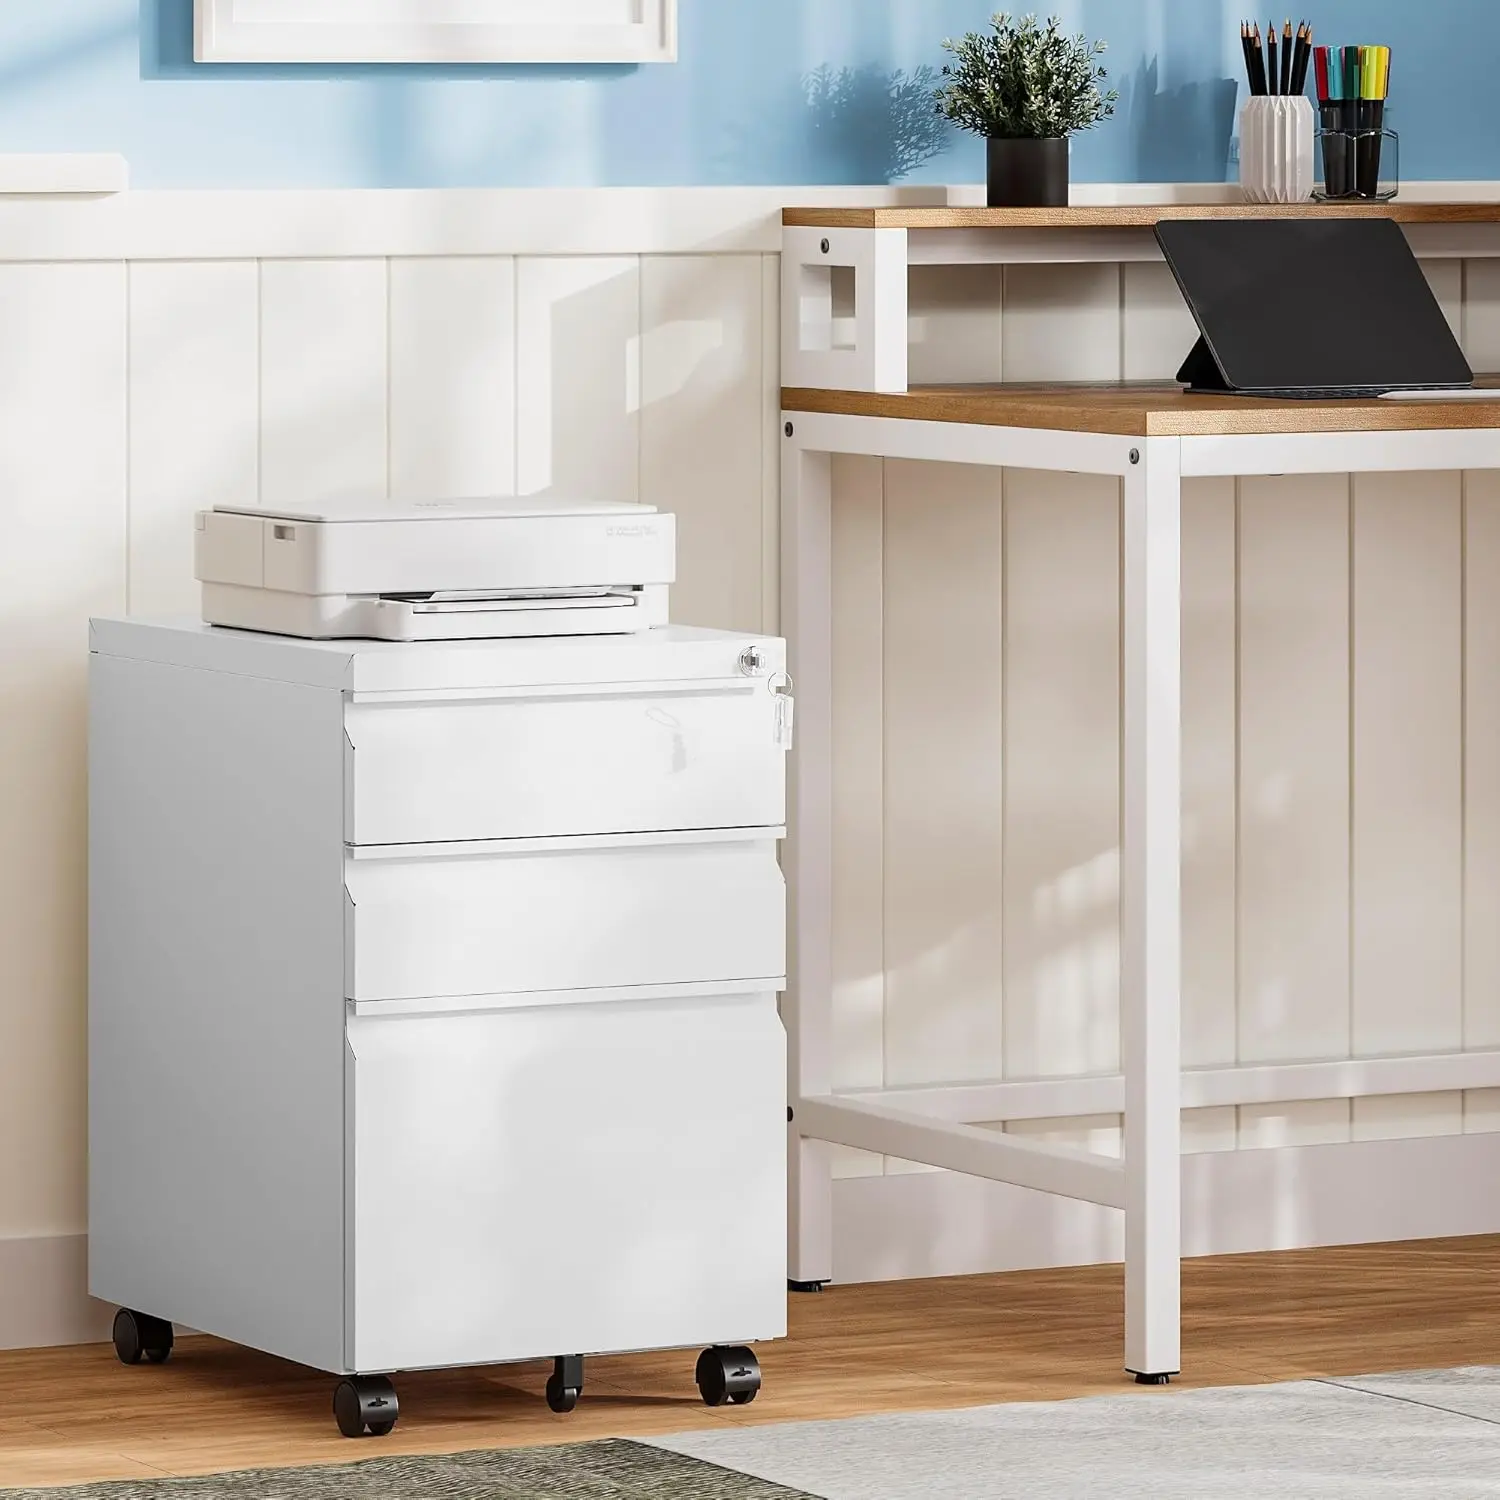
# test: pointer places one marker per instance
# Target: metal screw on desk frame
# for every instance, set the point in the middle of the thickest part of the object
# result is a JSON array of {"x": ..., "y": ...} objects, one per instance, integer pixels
[
  {"x": 1135, "y": 455},
  {"x": 789, "y": 429},
  {"x": 824, "y": 247}
]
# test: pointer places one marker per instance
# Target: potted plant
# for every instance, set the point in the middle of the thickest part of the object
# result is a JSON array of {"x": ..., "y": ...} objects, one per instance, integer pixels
[{"x": 1026, "y": 88}]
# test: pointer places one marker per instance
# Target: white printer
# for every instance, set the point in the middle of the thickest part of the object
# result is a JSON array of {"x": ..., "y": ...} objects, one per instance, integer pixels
[{"x": 428, "y": 570}]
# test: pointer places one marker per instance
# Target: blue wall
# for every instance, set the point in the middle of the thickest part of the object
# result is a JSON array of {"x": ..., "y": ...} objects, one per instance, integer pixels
[{"x": 118, "y": 75}]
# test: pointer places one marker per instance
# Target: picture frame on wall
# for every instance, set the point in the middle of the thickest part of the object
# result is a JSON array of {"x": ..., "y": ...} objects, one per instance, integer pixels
[{"x": 435, "y": 31}]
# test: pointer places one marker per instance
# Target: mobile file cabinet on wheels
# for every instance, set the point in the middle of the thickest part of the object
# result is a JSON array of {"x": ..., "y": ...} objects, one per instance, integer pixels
[{"x": 436, "y": 932}]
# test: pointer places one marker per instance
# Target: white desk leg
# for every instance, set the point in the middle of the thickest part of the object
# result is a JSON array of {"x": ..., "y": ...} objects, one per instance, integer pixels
[
  {"x": 806, "y": 612},
  {"x": 1150, "y": 909}
]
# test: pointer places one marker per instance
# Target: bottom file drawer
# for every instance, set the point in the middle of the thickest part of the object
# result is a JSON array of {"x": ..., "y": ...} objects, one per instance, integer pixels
[
  {"x": 507, "y": 922},
  {"x": 566, "y": 1178}
]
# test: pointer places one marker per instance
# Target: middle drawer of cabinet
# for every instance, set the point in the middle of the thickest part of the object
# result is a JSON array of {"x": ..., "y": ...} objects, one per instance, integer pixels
[{"x": 509, "y": 922}]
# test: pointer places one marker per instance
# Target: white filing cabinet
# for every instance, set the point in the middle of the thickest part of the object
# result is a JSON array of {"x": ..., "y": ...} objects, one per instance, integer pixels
[{"x": 433, "y": 1000}]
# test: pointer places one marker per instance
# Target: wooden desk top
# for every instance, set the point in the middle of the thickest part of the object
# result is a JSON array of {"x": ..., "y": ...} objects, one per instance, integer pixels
[
  {"x": 1130, "y": 215},
  {"x": 1148, "y": 410}
]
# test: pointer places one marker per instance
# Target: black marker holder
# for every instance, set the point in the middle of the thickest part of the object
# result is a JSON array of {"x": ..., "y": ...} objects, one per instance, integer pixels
[{"x": 1361, "y": 158}]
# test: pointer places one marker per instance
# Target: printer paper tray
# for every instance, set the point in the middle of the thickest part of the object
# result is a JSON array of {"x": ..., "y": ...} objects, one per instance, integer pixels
[
  {"x": 456, "y": 604},
  {"x": 435, "y": 616}
]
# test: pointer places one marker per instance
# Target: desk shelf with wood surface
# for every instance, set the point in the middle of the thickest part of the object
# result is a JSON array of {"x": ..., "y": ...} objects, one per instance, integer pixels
[
  {"x": 1150, "y": 439},
  {"x": 844, "y": 272}
]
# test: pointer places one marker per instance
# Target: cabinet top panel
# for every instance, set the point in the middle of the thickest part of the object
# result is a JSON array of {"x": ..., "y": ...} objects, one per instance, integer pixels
[{"x": 671, "y": 653}]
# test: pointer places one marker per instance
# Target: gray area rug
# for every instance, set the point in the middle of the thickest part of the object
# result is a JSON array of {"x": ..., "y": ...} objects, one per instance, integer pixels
[
  {"x": 1429, "y": 1434},
  {"x": 1433, "y": 1433},
  {"x": 580, "y": 1471}
]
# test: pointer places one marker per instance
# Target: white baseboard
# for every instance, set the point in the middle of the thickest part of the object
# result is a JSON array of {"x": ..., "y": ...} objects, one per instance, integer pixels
[
  {"x": 192, "y": 224},
  {"x": 44, "y": 1296},
  {"x": 939, "y": 1224}
]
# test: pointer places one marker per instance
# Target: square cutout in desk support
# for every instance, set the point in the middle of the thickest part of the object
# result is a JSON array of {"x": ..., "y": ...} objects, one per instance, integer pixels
[
  {"x": 827, "y": 300},
  {"x": 844, "y": 309}
]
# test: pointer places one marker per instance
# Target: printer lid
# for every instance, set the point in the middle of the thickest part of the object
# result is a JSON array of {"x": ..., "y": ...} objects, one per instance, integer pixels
[{"x": 368, "y": 508}]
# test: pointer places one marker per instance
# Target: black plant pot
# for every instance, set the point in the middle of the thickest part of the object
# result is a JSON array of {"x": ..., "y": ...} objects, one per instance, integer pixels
[{"x": 1028, "y": 173}]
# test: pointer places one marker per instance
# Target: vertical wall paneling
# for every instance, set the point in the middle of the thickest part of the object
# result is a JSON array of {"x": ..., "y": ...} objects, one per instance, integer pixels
[
  {"x": 770, "y": 440},
  {"x": 1481, "y": 1018},
  {"x": 1062, "y": 781},
  {"x": 955, "y": 324},
  {"x": 324, "y": 327},
  {"x": 1408, "y": 796},
  {"x": 1062, "y": 322},
  {"x": 858, "y": 789},
  {"x": 1209, "y": 690},
  {"x": 700, "y": 429},
  {"x": 1446, "y": 278},
  {"x": 453, "y": 376},
  {"x": 1482, "y": 712},
  {"x": 1481, "y": 294},
  {"x": 194, "y": 415},
  {"x": 942, "y": 751},
  {"x": 578, "y": 376},
  {"x": 1159, "y": 330},
  {"x": 1062, "y": 704},
  {"x": 62, "y": 485},
  {"x": 1341, "y": 686},
  {"x": 1294, "y": 958}
]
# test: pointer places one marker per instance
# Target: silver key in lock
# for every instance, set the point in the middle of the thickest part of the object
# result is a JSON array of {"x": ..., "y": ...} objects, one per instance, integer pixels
[{"x": 781, "y": 690}]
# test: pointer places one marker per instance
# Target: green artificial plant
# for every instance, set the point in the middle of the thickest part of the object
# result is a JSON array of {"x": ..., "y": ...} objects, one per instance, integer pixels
[{"x": 1024, "y": 81}]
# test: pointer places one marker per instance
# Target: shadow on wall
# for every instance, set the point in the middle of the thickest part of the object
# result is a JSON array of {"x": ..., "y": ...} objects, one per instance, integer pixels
[
  {"x": 42, "y": 67},
  {"x": 1180, "y": 134},
  {"x": 861, "y": 125}
]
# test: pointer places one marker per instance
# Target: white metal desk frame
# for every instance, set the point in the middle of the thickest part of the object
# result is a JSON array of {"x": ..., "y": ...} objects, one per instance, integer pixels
[{"x": 929, "y": 1125}]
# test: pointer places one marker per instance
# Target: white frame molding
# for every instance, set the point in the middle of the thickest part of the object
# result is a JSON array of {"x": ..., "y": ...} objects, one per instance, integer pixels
[{"x": 255, "y": 31}]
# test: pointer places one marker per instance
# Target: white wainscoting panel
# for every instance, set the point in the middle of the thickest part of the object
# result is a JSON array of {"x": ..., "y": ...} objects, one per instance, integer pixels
[
  {"x": 1209, "y": 820},
  {"x": 1407, "y": 826},
  {"x": 453, "y": 376},
  {"x": 1062, "y": 782},
  {"x": 955, "y": 324},
  {"x": 1062, "y": 322},
  {"x": 1341, "y": 649},
  {"x": 578, "y": 377},
  {"x": 1294, "y": 898},
  {"x": 324, "y": 380},
  {"x": 701, "y": 438},
  {"x": 942, "y": 768},
  {"x": 63, "y": 499},
  {"x": 859, "y": 962},
  {"x": 194, "y": 415}
]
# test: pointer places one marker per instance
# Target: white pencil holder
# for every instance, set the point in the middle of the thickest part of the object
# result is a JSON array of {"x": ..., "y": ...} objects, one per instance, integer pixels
[{"x": 1276, "y": 149}]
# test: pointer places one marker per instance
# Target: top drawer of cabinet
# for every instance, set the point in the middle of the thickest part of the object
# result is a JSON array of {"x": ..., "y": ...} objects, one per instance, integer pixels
[{"x": 553, "y": 762}]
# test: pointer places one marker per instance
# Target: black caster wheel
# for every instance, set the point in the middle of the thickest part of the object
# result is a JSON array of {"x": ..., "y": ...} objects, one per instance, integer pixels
[
  {"x": 139, "y": 1335},
  {"x": 805, "y": 1286},
  {"x": 1153, "y": 1380},
  {"x": 365, "y": 1404},
  {"x": 565, "y": 1383},
  {"x": 731, "y": 1374}
]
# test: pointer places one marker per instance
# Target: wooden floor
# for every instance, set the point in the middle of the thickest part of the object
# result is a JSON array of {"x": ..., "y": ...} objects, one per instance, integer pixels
[{"x": 68, "y": 1415}]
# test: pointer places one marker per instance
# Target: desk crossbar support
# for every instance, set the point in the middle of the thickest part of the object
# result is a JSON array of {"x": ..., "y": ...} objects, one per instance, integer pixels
[
  {"x": 1150, "y": 905},
  {"x": 1064, "y": 1170}
]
